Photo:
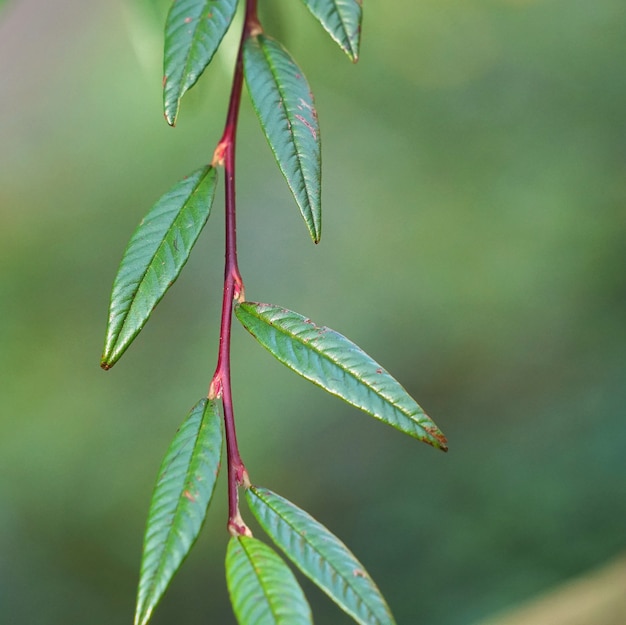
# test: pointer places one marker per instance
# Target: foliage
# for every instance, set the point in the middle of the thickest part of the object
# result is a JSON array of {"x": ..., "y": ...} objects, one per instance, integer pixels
[{"x": 262, "y": 587}]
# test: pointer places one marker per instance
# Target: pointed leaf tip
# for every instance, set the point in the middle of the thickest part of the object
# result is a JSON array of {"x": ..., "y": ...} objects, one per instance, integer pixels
[
  {"x": 342, "y": 21},
  {"x": 194, "y": 30},
  {"x": 154, "y": 258},
  {"x": 285, "y": 107},
  {"x": 437, "y": 434},
  {"x": 321, "y": 556},
  {"x": 335, "y": 363}
]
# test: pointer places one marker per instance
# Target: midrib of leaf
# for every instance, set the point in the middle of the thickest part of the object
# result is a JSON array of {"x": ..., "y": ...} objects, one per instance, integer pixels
[
  {"x": 186, "y": 79},
  {"x": 292, "y": 121},
  {"x": 324, "y": 356},
  {"x": 175, "y": 483},
  {"x": 345, "y": 30},
  {"x": 245, "y": 570},
  {"x": 190, "y": 48},
  {"x": 322, "y": 559},
  {"x": 264, "y": 586},
  {"x": 177, "y": 511},
  {"x": 338, "y": 12},
  {"x": 197, "y": 21}
]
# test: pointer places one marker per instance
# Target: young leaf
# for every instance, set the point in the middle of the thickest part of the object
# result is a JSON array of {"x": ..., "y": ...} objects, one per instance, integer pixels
[
  {"x": 179, "y": 503},
  {"x": 262, "y": 588},
  {"x": 333, "y": 362},
  {"x": 154, "y": 258},
  {"x": 284, "y": 105},
  {"x": 342, "y": 21},
  {"x": 321, "y": 556},
  {"x": 193, "y": 31}
]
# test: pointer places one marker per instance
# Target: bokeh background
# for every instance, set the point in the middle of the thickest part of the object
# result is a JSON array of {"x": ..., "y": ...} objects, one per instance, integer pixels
[{"x": 474, "y": 229}]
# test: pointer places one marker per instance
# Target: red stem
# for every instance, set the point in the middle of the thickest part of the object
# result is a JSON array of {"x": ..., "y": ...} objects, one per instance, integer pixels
[{"x": 233, "y": 284}]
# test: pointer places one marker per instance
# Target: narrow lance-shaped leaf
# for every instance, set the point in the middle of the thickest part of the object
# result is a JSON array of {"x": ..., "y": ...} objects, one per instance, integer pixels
[
  {"x": 321, "y": 556},
  {"x": 179, "y": 503},
  {"x": 284, "y": 104},
  {"x": 262, "y": 588},
  {"x": 342, "y": 21},
  {"x": 333, "y": 362},
  {"x": 154, "y": 258},
  {"x": 193, "y": 32}
]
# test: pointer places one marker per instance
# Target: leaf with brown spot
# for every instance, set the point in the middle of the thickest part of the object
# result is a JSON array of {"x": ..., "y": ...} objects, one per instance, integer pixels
[
  {"x": 194, "y": 30},
  {"x": 179, "y": 503},
  {"x": 321, "y": 556},
  {"x": 284, "y": 105}
]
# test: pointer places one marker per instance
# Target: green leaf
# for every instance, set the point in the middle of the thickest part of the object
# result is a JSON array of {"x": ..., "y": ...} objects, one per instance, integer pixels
[
  {"x": 193, "y": 31},
  {"x": 284, "y": 104},
  {"x": 333, "y": 362},
  {"x": 342, "y": 21},
  {"x": 154, "y": 258},
  {"x": 262, "y": 588},
  {"x": 321, "y": 556},
  {"x": 179, "y": 503}
]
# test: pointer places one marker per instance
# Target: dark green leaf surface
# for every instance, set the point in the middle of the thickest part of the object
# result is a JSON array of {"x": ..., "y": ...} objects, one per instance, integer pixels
[
  {"x": 333, "y": 362},
  {"x": 285, "y": 107},
  {"x": 262, "y": 588},
  {"x": 342, "y": 21},
  {"x": 154, "y": 258},
  {"x": 321, "y": 556},
  {"x": 179, "y": 503},
  {"x": 193, "y": 32}
]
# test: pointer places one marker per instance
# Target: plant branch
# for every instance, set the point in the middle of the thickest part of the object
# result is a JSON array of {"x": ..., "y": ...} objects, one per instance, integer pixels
[{"x": 233, "y": 284}]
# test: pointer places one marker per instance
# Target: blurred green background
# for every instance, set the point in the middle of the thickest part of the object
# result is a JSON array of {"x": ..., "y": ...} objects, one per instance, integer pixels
[{"x": 474, "y": 194}]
